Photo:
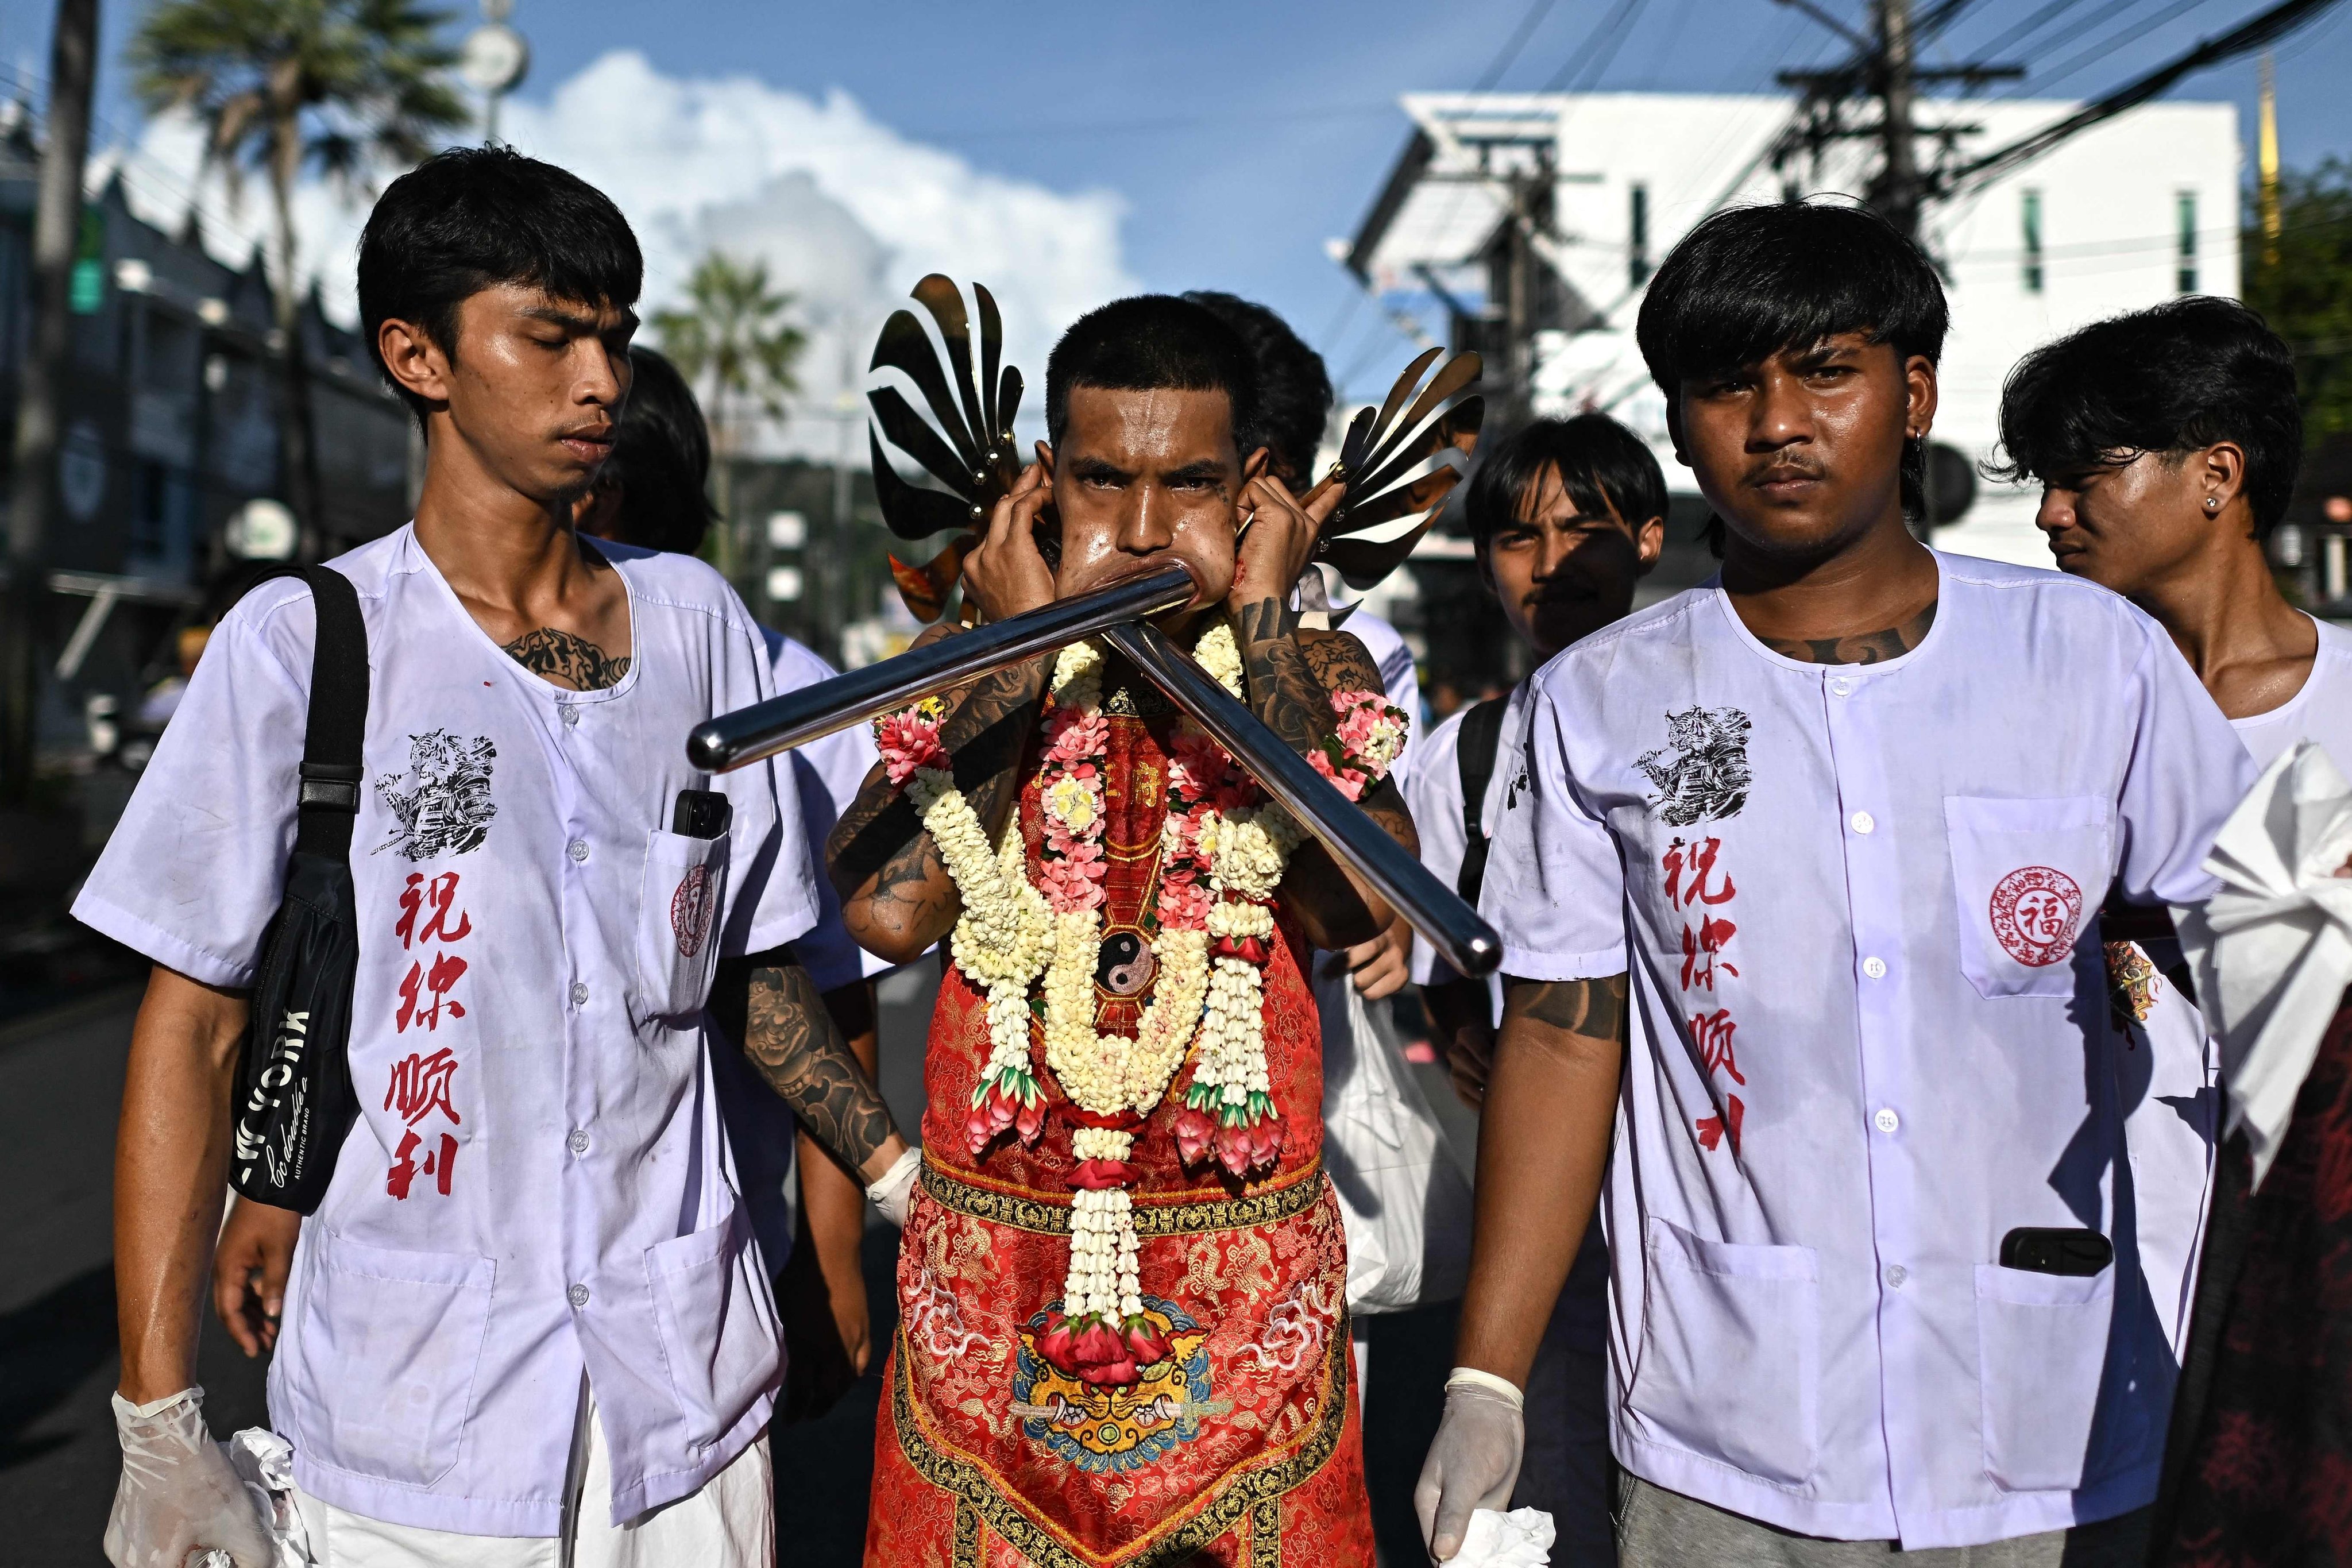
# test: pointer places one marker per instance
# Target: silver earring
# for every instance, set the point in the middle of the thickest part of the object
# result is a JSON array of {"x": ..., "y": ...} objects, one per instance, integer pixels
[{"x": 2212, "y": 504}]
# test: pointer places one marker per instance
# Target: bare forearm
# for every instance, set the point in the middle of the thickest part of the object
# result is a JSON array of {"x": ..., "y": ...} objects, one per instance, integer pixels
[
  {"x": 1289, "y": 682},
  {"x": 171, "y": 1168},
  {"x": 792, "y": 1043},
  {"x": 833, "y": 1199},
  {"x": 1543, "y": 1139},
  {"x": 896, "y": 894}
]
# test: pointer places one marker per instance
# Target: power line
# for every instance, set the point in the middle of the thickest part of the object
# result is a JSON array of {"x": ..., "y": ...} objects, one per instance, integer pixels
[
  {"x": 1612, "y": 27},
  {"x": 1509, "y": 54},
  {"x": 2043, "y": 81}
]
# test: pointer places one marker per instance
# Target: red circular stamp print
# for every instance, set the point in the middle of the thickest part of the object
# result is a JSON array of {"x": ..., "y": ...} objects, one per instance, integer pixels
[
  {"x": 2035, "y": 913},
  {"x": 691, "y": 906}
]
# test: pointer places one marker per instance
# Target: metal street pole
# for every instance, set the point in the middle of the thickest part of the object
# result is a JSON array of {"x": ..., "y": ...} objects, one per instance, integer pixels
[
  {"x": 1898, "y": 200},
  {"x": 57, "y": 228}
]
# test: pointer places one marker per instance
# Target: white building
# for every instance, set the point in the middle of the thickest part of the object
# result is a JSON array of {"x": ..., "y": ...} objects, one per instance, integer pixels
[{"x": 2132, "y": 211}]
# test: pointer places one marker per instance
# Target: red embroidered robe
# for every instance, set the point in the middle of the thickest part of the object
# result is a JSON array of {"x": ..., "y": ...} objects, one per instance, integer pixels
[{"x": 1241, "y": 1449}]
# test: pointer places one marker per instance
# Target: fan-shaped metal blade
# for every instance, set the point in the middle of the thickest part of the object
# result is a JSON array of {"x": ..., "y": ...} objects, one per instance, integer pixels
[
  {"x": 903, "y": 346},
  {"x": 1458, "y": 373},
  {"x": 998, "y": 424},
  {"x": 1357, "y": 453},
  {"x": 1008, "y": 409},
  {"x": 911, "y": 436},
  {"x": 1457, "y": 428},
  {"x": 1364, "y": 562},
  {"x": 911, "y": 511},
  {"x": 1402, "y": 501},
  {"x": 939, "y": 296}
]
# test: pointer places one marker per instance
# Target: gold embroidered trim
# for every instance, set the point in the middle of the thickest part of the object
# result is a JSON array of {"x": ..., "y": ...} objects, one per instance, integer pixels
[
  {"x": 1046, "y": 1218},
  {"x": 1266, "y": 1534},
  {"x": 1257, "y": 1493},
  {"x": 967, "y": 1536}
]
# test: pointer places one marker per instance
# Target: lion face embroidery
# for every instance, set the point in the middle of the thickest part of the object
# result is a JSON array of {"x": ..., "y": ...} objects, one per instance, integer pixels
[
  {"x": 441, "y": 802},
  {"x": 1701, "y": 773}
]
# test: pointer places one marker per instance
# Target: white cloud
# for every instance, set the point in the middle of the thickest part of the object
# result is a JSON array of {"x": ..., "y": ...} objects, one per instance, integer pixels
[{"x": 846, "y": 212}]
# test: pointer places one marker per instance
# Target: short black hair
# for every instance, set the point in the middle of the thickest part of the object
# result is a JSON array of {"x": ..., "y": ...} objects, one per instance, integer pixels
[
  {"x": 1150, "y": 342},
  {"x": 2169, "y": 379},
  {"x": 1293, "y": 390},
  {"x": 1604, "y": 465},
  {"x": 661, "y": 460},
  {"x": 1751, "y": 281},
  {"x": 474, "y": 218}
]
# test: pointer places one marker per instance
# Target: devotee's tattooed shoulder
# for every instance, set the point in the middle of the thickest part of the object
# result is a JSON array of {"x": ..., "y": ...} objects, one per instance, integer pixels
[
  {"x": 1594, "y": 1009},
  {"x": 568, "y": 657},
  {"x": 1870, "y": 647},
  {"x": 791, "y": 1038}
]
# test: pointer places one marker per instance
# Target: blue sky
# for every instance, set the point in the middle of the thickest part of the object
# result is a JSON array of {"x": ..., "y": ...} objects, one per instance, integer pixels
[{"x": 1236, "y": 137}]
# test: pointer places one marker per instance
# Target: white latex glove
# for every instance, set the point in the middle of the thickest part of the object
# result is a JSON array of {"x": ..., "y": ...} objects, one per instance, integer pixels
[
  {"x": 178, "y": 1496},
  {"x": 1474, "y": 1461},
  {"x": 895, "y": 1190}
]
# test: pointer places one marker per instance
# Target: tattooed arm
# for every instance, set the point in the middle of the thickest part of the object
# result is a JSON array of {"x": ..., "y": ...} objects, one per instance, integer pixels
[
  {"x": 790, "y": 1038},
  {"x": 1543, "y": 1138},
  {"x": 1289, "y": 676},
  {"x": 897, "y": 898}
]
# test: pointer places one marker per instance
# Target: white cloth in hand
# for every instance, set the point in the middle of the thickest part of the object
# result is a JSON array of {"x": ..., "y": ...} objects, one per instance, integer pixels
[
  {"x": 178, "y": 1495},
  {"x": 1472, "y": 1462},
  {"x": 2272, "y": 950},
  {"x": 1519, "y": 1539},
  {"x": 894, "y": 1192}
]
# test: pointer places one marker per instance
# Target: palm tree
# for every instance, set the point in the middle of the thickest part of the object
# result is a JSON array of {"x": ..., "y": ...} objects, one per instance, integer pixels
[
  {"x": 340, "y": 86},
  {"x": 733, "y": 337}
]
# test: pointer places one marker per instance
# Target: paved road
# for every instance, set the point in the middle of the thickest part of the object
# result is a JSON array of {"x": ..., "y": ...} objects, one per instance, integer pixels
[{"x": 60, "y": 1083}]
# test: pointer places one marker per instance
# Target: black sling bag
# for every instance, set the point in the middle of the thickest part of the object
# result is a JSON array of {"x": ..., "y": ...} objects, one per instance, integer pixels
[
  {"x": 294, "y": 1102},
  {"x": 1475, "y": 745}
]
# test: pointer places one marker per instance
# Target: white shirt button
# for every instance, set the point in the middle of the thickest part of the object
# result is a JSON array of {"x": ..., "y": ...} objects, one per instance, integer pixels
[
  {"x": 570, "y": 714},
  {"x": 1841, "y": 686},
  {"x": 1862, "y": 822},
  {"x": 578, "y": 1141},
  {"x": 1896, "y": 1274},
  {"x": 579, "y": 1294},
  {"x": 579, "y": 994},
  {"x": 1887, "y": 1120},
  {"x": 578, "y": 848},
  {"x": 1875, "y": 967}
]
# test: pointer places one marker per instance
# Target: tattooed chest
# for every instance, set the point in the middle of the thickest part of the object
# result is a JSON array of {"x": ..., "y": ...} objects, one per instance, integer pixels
[{"x": 567, "y": 658}]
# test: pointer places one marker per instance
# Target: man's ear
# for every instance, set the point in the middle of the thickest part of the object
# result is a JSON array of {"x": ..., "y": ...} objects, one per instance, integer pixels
[
  {"x": 1253, "y": 465},
  {"x": 1675, "y": 427},
  {"x": 1919, "y": 385},
  {"x": 1650, "y": 542},
  {"x": 414, "y": 359},
  {"x": 2222, "y": 469}
]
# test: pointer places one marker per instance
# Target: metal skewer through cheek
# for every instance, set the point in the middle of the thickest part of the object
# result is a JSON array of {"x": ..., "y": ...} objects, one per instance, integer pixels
[
  {"x": 733, "y": 739},
  {"x": 1434, "y": 909}
]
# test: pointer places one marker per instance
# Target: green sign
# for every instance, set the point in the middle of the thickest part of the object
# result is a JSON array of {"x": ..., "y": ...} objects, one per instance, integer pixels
[{"x": 87, "y": 291}]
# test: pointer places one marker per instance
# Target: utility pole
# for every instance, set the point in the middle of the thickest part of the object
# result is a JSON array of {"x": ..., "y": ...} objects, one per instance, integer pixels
[
  {"x": 57, "y": 228},
  {"x": 1883, "y": 68},
  {"x": 1897, "y": 192}
]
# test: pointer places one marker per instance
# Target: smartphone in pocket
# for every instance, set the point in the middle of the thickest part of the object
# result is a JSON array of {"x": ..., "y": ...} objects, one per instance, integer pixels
[
  {"x": 2036, "y": 1250},
  {"x": 700, "y": 813}
]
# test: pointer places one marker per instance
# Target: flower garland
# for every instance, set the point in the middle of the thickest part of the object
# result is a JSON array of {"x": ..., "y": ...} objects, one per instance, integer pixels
[{"x": 1223, "y": 854}]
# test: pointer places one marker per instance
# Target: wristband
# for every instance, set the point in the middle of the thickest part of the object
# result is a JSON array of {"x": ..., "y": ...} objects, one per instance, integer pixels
[{"x": 1501, "y": 1387}]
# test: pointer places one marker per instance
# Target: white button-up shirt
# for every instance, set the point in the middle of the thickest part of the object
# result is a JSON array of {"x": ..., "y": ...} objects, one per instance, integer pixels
[
  {"x": 1860, "y": 1060},
  {"x": 537, "y": 1182}
]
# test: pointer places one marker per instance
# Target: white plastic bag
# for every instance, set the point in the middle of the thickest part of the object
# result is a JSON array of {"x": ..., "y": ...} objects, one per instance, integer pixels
[
  {"x": 2272, "y": 949},
  {"x": 1406, "y": 1203}
]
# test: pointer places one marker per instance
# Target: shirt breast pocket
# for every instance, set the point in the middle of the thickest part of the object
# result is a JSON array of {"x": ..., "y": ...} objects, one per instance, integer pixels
[
  {"x": 678, "y": 919},
  {"x": 2029, "y": 876}
]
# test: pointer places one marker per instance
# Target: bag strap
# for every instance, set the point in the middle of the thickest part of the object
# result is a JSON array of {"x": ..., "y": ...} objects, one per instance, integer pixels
[
  {"x": 1475, "y": 748},
  {"x": 331, "y": 772}
]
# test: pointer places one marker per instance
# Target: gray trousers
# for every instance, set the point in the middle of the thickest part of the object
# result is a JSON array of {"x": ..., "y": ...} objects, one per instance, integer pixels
[{"x": 1659, "y": 1529}]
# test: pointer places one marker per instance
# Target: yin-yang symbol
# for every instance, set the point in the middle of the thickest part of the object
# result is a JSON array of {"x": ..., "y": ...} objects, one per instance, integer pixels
[{"x": 1126, "y": 964}]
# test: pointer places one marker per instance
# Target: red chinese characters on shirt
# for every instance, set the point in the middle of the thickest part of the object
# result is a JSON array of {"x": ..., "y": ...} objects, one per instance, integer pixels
[
  {"x": 1695, "y": 886},
  {"x": 418, "y": 1090}
]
